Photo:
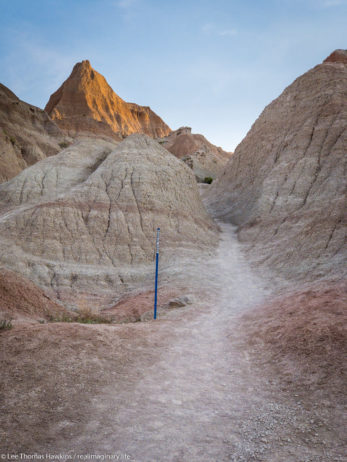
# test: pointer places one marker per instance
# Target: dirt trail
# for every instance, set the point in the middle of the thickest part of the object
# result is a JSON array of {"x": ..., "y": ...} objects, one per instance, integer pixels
[
  {"x": 187, "y": 391},
  {"x": 190, "y": 405},
  {"x": 198, "y": 397}
]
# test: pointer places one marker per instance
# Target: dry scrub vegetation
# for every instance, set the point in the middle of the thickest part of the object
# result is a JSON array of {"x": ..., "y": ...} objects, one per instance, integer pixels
[{"x": 83, "y": 315}]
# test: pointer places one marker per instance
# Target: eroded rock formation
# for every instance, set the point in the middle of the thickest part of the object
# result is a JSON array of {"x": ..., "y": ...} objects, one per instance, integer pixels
[
  {"x": 205, "y": 159},
  {"x": 27, "y": 135},
  {"x": 285, "y": 185},
  {"x": 82, "y": 224},
  {"x": 86, "y": 104}
]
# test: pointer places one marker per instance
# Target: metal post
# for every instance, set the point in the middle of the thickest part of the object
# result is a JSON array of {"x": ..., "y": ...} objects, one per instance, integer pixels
[{"x": 156, "y": 274}]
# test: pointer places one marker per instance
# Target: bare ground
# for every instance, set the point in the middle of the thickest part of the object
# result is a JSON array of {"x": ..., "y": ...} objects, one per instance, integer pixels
[{"x": 187, "y": 387}]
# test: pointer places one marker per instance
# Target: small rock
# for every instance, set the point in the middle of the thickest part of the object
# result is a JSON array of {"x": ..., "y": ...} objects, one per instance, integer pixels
[{"x": 179, "y": 302}]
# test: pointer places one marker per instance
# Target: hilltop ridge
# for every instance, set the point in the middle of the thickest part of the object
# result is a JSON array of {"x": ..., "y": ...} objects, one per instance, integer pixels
[{"x": 86, "y": 104}]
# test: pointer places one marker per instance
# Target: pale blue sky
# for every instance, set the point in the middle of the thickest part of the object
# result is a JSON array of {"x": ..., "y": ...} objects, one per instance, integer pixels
[{"x": 212, "y": 65}]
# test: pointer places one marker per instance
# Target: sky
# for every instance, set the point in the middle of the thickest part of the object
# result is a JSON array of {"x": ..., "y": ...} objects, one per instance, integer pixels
[{"x": 212, "y": 65}]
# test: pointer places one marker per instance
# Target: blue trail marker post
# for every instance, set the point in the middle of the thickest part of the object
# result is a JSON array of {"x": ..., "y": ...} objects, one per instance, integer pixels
[{"x": 156, "y": 274}]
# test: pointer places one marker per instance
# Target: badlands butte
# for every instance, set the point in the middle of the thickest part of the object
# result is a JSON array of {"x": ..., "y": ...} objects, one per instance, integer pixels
[{"x": 251, "y": 335}]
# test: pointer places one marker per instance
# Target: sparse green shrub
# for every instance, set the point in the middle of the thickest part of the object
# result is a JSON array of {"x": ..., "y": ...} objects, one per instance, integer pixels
[
  {"x": 5, "y": 324},
  {"x": 63, "y": 144},
  {"x": 208, "y": 179},
  {"x": 9, "y": 138}
]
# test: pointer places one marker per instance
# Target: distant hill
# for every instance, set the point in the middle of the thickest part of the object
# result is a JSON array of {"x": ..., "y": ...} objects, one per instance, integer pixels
[{"x": 205, "y": 159}]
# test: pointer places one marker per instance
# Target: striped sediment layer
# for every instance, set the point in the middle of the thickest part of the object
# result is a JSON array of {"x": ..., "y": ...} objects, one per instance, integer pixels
[{"x": 82, "y": 224}]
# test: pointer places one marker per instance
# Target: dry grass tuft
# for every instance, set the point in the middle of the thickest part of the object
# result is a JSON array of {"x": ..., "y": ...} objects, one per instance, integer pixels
[
  {"x": 83, "y": 315},
  {"x": 87, "y": 316}
]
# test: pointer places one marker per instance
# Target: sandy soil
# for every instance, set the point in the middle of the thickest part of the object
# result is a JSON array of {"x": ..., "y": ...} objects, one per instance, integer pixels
[{"x": 183, "y": 388}]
